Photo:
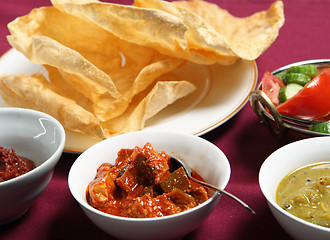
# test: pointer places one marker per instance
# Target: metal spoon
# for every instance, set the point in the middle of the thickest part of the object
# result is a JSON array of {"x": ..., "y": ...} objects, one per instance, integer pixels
[{"x": 189, "y": 174}]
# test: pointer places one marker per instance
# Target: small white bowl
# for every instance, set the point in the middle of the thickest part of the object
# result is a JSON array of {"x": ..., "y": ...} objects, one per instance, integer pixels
[
  {"x": 277, "y": 166},
  {"x": 38, "y": 137},
  {"x": 205, "y": 158}
]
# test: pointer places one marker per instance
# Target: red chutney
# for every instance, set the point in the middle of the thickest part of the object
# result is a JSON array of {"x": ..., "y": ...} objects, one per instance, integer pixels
[
  {"x": 12, "y": 165},
  {"x": 144, "y": 184}
]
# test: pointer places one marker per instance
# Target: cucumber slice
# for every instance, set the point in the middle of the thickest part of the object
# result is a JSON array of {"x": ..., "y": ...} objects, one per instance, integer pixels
[
  {"x": 288, "y": 91},
  {"x": 309, "y": 70},
  {"x": 323, "y": 127},
  {"x": 298, "y": 78},
  {"x": 281, "y": 75}
]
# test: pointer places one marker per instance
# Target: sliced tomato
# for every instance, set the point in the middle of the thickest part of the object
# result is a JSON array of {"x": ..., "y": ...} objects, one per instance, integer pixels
[
  {"x": 311, "y": 102},
  {"x": 270, "y": 84}
]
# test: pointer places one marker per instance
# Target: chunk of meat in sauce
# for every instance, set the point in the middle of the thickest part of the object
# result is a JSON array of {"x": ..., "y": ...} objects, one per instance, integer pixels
[
  {"x": 147, "y": 206},
  {"x": 137, "y": 176},
  {"x": 199, "y": 194},
  {"x": 102, "y": 188},
  {"x": 157, "y": 161},
  {"x": 182, "y": 200}
]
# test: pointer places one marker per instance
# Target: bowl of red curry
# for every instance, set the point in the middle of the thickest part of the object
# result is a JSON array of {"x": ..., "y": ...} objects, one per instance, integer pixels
[
  {"x": 130, "y": 187},
  {"x": 31, "y": 143}
]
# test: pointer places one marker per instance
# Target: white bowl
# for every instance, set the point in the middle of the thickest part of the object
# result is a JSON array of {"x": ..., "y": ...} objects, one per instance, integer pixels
[
  {"x": 207, "y": 159},
  {"x": 277, "y": 166},
  {"x": 38, "y": 137}
]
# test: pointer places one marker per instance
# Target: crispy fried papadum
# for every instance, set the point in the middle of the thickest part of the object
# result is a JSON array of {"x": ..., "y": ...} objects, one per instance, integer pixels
[
  {"x": 110, "y": 66},
  {"x": 166, "y": 90},
  {"x": 22, "y": 90},
  {"x": 35, "y": 92},
  {"x": 105, "y": 69},
  {"x": 146, "y": 27},
  {"x": 248, "y": 37},
  {"x": 205, "y": 45},
  {"x": 156, "y": 25},
  {"x": 58, "y": 84}
]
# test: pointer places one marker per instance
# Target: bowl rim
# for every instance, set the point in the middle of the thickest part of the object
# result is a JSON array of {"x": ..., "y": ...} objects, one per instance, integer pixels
[
  {"x": 49, "y": 161},
  {"x": 215, "y": 195},
  {"x": 271, "y": 200}
]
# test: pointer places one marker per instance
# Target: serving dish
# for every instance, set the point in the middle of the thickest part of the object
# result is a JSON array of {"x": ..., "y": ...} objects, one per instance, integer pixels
[
  {"x": 204, "y": 157},
  {"x": 279, "y": 123},
  {"x": 221, "y": 92},
  {"x": 36, "y": 136},
  {"x": 277, "y": 166}
]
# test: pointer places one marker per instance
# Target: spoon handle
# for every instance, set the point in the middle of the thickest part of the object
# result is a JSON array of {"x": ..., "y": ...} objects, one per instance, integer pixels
[{"x": 223, "y": 192}]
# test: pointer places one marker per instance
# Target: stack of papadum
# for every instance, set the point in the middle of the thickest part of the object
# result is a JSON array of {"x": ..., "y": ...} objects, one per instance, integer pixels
[{"x": 110, "y": 66}]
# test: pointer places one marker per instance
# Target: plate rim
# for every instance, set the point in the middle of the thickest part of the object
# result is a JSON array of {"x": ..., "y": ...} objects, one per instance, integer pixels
[{"x": 239, "y": 107}]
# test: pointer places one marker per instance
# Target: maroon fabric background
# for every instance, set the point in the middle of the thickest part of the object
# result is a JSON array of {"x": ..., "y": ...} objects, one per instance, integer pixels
[{"x": 243, "y": 139}]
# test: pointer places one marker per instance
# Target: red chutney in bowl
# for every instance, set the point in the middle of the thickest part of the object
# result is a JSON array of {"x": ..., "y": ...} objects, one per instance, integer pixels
[
  {"x": 12, "y": 165},
  {"x": 144, "y": 184}
]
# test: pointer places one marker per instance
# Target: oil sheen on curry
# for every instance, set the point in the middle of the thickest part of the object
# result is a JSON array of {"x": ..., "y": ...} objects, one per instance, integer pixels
[
  {"x": 305, "y": 193},
  {"x": 144, "y": 184}
]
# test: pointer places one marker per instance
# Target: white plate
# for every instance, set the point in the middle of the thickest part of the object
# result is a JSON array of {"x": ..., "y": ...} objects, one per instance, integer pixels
[{"x": 222, "y": 92}]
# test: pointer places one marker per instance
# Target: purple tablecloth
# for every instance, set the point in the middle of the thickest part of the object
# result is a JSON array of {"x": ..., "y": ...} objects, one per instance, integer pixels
[{"x": 305, "y": 35}]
